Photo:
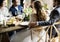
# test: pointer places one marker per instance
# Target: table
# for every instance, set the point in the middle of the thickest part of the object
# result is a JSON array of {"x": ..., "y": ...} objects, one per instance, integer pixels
[
  {"x": 4, "y": 32},
  {"x": 8, "y": 29}
]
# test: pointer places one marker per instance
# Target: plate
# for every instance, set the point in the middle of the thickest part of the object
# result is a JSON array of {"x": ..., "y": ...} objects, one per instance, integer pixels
[{"x": 24, "y": 23}]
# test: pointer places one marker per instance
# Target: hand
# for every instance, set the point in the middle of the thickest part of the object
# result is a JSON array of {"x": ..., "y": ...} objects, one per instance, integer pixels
[{"x": 32, "y": 24}]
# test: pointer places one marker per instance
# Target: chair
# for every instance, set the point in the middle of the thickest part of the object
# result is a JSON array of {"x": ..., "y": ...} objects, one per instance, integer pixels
[{"x": 35, "y": 31}]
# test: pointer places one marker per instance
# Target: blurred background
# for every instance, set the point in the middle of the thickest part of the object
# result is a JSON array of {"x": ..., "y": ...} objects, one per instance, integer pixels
[{"x": 22, "y": 2}]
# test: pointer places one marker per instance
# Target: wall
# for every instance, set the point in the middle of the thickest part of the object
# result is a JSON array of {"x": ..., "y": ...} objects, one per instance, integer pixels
[{"x": 48, "y": 2}]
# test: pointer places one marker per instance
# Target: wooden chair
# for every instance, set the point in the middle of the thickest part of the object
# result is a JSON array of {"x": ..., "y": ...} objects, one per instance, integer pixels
[
  {"x": 56, "y": 39},
  {"x": 38, "y": 29}
]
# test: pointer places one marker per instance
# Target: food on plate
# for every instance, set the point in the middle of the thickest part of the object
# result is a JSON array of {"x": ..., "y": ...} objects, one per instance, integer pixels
[
  {"x": 14, "y": 20},
  {"x": 11, "y": 20}
]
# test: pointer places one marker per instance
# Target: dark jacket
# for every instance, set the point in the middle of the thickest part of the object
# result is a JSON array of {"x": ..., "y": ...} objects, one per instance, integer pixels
[{"x": 13, "y": 10}]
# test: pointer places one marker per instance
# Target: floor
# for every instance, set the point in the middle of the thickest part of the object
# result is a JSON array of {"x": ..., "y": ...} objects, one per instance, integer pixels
[
  {"x": 25, "y": 36},
  {"x": 21, "y": 36}
]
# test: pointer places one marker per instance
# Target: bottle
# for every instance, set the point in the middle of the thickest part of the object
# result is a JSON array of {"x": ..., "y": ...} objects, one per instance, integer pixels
[{"x": 4, "y": 23}]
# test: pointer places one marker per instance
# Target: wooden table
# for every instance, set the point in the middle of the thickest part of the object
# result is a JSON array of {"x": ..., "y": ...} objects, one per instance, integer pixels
[
  {"x": 4, "y": 32},
  {"x": 8, "y": 29}
]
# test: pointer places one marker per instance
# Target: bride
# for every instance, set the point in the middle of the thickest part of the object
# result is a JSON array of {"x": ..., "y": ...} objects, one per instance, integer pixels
[{"x": 38, "y": 15}]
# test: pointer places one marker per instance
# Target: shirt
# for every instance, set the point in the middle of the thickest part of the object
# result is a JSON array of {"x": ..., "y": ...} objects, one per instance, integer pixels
[{"x": 3, "y": 14}]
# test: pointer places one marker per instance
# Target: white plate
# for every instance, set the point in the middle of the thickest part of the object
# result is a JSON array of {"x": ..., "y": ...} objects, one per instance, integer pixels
[{"x": 24, "y": 23}]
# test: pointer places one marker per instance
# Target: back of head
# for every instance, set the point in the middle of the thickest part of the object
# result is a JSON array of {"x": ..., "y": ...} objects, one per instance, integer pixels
[
  {"x": 38, "y": 8},
  {"x": 37, "y": 5},
  {"x": 1, "y": 2}
]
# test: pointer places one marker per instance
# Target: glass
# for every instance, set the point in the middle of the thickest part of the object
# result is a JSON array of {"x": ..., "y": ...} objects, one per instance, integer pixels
[
  {"x": 4, "y": 23},
  {"x": 1, "y": 19}
]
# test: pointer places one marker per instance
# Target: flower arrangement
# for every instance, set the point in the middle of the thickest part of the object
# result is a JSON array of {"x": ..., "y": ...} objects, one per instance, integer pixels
[{"x": 27, "y": 12}]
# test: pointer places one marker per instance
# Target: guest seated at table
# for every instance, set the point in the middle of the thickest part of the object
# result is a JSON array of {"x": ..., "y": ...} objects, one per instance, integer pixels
[
  {"x": 3, "y": 9},
  {"x": 3, "y": 14},
  {"x": 54, "y": 17},
  {"x": 16, "y": 8}
]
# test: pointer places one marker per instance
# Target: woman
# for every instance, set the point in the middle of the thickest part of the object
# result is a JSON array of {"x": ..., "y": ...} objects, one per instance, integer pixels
[
  {"x": 38, "y": 15},
  {"x": 3, "y": 9},
  {"x": 3, "y": 15}
]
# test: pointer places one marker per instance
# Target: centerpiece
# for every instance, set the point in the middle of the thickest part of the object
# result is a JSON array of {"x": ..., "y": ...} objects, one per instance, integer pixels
[{"x": 27, "y": 12}]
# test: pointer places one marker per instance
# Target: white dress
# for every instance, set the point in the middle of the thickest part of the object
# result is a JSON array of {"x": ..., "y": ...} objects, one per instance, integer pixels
[
  {"x": 41, "y": 33},
  {"x": 3, "y": 14}
]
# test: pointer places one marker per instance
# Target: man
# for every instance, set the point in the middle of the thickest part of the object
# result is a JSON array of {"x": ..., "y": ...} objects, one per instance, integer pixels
[
  {"x": 54, "y": 17},
  {"x": 15, "y": 8}
]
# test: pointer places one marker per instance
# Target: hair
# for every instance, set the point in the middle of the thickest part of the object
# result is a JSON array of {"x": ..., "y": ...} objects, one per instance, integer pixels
[
  {"x": 1, "y": 2},
  {"x": 38, "y": 7},
  {"x": 58, "y": 1},
  {"x": 13, "y": 1}
]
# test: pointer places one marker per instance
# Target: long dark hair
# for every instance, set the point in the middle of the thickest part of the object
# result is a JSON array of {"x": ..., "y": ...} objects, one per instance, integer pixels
[
  {"x": 38, "y": 7},
  {"x": 1, "y": 2}
]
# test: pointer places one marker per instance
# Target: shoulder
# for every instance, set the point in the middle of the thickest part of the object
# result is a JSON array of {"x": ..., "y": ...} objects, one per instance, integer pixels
[
  {"x": 54, "y": 11},
  {"x": 11, "y": 8}
]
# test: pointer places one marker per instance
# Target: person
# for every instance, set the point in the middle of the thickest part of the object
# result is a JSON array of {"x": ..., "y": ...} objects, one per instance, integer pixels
[
  {"x": 3, "y": 14},
  {"x": 54, "y": 17},
  {"x": 38, "y": 12},
  {"x": 3, "y": 10},
  {"x": 15, "y": 8},
  {"x": 38, "y": 15}
]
